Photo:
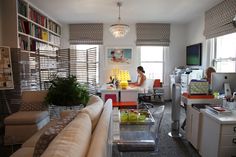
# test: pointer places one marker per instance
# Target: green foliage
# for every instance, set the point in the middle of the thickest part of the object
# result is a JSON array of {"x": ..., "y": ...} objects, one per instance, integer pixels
[{"x": 67, "y": 92}]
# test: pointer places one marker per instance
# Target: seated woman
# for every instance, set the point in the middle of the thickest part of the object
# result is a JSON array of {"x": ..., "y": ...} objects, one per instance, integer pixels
[
  {"x": 141, "y": 78},
  {"x": 208, "y": 73},
  {"x": 209, "y": 70},
  {"x": 142, "y": 89}
]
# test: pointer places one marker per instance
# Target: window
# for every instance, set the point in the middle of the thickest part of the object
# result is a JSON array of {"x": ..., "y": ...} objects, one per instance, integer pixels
[
  {"x": 152, "y": 61},
  {"x": 224, "y": 55},
  {"x": 86, "y": 69}
]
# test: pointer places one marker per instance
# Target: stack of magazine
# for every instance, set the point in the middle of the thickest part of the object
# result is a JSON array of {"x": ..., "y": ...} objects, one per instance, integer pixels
[{"x": 218, "y": 110}]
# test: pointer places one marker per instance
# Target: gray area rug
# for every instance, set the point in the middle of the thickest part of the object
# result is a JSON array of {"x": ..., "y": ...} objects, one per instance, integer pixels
[{"x": 167, "y": 146}]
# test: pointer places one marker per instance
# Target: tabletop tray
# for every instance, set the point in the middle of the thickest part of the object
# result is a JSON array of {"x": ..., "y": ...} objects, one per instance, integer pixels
[{"x": 149, "y": 120}]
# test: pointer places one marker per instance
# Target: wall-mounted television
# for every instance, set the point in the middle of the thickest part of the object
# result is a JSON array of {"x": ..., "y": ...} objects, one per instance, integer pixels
[{"x": 194, "y": 55}]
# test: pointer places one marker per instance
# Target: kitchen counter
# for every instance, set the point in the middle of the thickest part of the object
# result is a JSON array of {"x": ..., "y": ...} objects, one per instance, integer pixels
[{"x": 221, "y": 118}]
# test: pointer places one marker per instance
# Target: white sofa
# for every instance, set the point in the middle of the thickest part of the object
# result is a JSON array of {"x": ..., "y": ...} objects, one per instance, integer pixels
[{"x": 86, "y": 135}]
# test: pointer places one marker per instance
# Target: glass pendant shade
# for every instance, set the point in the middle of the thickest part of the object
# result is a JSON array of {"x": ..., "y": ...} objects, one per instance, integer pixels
[{"x": 119, "y": 30}]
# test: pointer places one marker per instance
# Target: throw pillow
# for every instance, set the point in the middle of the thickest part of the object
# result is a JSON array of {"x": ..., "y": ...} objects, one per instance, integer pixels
[
  {"x": 46, "y": 138},
  {"x": 33, "y": 106}
]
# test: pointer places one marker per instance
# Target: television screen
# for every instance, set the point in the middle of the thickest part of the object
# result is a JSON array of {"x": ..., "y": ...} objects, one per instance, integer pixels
[{"x": 194, "y": 54}]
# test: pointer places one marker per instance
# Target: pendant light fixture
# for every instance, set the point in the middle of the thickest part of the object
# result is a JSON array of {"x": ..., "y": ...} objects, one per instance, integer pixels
[{"x": 119, "y": 30}]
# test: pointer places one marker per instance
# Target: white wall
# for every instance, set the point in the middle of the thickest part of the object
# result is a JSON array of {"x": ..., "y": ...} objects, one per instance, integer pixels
[
  {"x": 175, "y": 56},
  {"x": 109, "y": 41},
  {"x": 195, "y": 32},
  {"x": 1, "y": 20},
  {"x": 65, "y": 36}
]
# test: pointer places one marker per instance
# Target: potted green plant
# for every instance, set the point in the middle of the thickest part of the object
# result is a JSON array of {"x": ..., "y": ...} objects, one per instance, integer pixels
[{"x": 66, "y": 92}]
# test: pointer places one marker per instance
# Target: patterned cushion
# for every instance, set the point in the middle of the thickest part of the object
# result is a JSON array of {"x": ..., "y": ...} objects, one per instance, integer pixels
[
  {"x": 51, "y": 133},
  {"x": 45, "y": 140},
  {"x": 34, "y": 106}
]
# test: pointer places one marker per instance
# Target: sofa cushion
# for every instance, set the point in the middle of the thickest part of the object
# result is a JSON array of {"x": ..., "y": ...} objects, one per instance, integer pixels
[
  {"x": 98, "y": 145},
  {"x": 19, "y": 133},
  {"x": 94, "y": 109},
  {"x": 65, "y": 113},
  {"x": 26, "y": 117},
  {"x": 73, "y": 140},
  {"x": 45, "y": 140},
  {"x": 51, "y": 133},
  {"x": 33, "y": 96},
  {"x": 23, "y": 152},
  {"x": 93, "y": 99},
  {"x": 33, "y": 106}
]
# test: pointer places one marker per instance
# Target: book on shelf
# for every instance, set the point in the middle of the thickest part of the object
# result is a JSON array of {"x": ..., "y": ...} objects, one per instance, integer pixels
[
  {"x": 23, "y": 26},
  {"x": 37, "y": 32},
  {"x": 46, "y": 49},
  {"x": 54, "y": 27},
  {"x": 20, "y": 28},
  {"x": 23, "y": 43},
  {"x": 32, "y": 45},
  {"x": 37, "y": 17},
  {"x": 54, "y": 39},
  {"x": 22, "y": 8},
  {"x": 43, "y": 47},
  {"x": 44, "y": 35}
]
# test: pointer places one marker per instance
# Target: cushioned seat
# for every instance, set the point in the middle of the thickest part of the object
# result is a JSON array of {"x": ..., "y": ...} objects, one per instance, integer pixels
[
  {"x": 31, "y": 142},
  {"x": 26, "y": 152},
  {"x": 32, "y": 117},
  {"x": 99, "y": 141},
  {"x": 73, "y": 140},
  {"x": 94, "y": 110},
  {"x": 77, "y": 138},
  {"x": 26, "y": 117}
]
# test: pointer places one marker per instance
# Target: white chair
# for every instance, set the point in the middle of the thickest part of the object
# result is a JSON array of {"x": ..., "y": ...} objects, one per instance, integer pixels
[{"x": 150, "y": 90}]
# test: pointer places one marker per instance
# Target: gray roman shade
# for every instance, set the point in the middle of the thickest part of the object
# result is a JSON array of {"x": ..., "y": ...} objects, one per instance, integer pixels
[
  {"x": 218, "y": 20},
  {"x": 156, "y": 34},
  {"x": 91, "y": 33}
]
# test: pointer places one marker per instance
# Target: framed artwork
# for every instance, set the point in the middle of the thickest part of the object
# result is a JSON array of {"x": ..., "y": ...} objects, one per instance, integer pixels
[
  {"x": 119, "y": 56},
  {"x": 6, "y": 76}
]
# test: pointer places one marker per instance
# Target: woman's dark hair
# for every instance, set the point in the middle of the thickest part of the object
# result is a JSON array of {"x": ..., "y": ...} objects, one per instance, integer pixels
[{"x": 140, "y": 68}]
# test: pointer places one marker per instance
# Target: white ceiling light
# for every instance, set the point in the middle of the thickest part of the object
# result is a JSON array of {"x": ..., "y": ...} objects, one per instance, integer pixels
[{"x": 119, "y": 30}]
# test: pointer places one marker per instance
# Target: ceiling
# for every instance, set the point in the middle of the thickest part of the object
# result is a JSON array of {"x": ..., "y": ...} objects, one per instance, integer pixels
[{"x": 132, "y": 11}]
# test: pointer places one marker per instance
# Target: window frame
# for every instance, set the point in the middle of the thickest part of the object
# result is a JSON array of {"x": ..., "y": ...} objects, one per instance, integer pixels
[
  {"x": 214, "y": 52},
  {"x": 163, "y": 61},
  {"x": 97, "y": 63}
]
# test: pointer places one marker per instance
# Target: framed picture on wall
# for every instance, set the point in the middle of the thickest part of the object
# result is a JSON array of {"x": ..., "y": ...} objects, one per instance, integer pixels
[
  {"x": 6, "y": 75},
  {"x": 119, "y": 56}
]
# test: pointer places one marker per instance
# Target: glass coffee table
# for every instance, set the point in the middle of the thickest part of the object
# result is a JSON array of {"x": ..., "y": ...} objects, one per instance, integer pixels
[{"x": 131, "y": 130}]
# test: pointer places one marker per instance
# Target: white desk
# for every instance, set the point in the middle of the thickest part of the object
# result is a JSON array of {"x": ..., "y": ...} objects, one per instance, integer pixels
[
  {"x": 190, "y": 101},
  {"x": 194, "y": 117},
  {"x": 218, "y": 137},
  {"x": 123, "y": 95}
]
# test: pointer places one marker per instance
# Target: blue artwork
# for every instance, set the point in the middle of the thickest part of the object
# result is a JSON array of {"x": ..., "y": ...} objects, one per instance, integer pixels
[{"x": 119, "y": 55}]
